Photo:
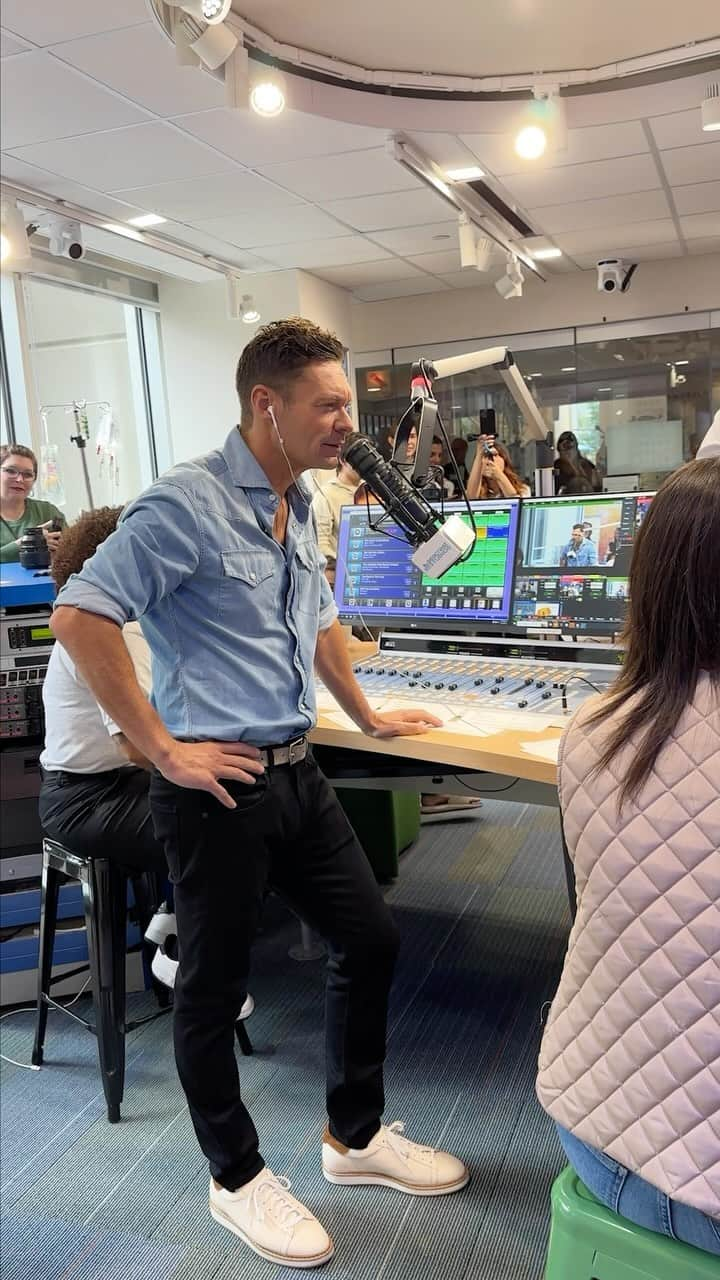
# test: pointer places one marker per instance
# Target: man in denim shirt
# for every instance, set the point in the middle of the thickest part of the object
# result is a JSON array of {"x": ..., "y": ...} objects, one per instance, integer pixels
[{"x": 219, "y": 560}]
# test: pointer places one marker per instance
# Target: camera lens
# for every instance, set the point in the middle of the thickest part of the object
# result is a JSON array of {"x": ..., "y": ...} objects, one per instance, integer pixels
[
  {"x": 75, "y": 251},
  {"x": 609, "y": 286}
]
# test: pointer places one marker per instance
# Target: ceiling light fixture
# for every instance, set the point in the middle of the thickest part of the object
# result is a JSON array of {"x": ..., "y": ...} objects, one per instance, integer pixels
[
  {"x": 471, "y": 174},
  {"x": 15, "y": 252},
  {"x": 511, "y": 284},
  {"x": 250, "y": 313},
  {"x": 475, "y": 249},
  {"x": 212, "y": 44},
  {"x": 119, "y": 229},
  {"x": 541, "y": 124},
  {"x": 268, "y": 90},
  {"x": 710, "y": 113},
  {"x": 146, "y": 220},
  {"x": 568, "y": 368},
  {"x": 214, "y": 11},
  {"x": 544, "y": 255}
]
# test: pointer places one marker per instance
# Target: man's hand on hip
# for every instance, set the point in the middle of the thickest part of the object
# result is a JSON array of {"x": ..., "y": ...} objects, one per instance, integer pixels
[
  {"x": 200, "y": 765},
  {"x": 400, "y": 723}
]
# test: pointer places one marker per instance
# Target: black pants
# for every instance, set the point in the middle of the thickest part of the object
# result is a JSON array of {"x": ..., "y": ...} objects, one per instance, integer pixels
[
  {"x": 288, "y": 832},
  {"x": 103, "y": 815}
]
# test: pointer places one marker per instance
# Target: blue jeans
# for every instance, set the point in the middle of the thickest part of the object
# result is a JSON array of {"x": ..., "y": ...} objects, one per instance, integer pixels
[{"x": 637, "y": 1200}]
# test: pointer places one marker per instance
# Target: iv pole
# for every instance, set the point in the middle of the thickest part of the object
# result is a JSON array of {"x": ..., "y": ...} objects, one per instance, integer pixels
[{"x": 77, "y": 408}]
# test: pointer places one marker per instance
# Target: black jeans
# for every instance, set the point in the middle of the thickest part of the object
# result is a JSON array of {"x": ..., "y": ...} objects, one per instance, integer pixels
[
  {"x": 288, "y": 832},
  {"x": 103, "y": 815}
]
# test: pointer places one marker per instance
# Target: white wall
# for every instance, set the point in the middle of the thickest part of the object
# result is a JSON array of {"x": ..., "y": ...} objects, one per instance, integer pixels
[
  {"x": 201, "y": 346},
  {"x": 659, "y": 288}
]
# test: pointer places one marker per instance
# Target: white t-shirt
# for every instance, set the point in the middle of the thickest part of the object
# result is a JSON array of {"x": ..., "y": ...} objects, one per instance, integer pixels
[
  {"x": 79, "y": 735},
  {"x": 710, "y": 447}
]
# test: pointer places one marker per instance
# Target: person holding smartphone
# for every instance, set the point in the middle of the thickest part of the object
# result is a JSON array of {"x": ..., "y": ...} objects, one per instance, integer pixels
[{"x": 492, "y": 474}]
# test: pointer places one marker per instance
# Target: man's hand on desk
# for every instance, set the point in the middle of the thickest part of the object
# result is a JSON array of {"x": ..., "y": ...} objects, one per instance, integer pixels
[{"x": 400, "y": 724}]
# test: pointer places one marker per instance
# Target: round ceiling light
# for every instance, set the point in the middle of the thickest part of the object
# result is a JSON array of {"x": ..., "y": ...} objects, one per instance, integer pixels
[
  {"x": 267, "y": 91},
  {"x": 250, "y": 313},
  {"x": 531, "y": 142}
]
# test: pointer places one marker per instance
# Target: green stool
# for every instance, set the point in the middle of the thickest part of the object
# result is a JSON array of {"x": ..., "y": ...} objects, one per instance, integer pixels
[
  {"x": 590, "y": 1242},
  {"x": 385, "y": 823}
]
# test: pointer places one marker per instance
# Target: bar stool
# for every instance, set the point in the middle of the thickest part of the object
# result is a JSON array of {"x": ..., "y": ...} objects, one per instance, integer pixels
[{"x": 104, "y": 891}]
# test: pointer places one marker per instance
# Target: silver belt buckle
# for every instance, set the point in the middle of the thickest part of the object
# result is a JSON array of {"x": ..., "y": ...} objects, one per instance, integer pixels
[{"x": 295, "y": 750}]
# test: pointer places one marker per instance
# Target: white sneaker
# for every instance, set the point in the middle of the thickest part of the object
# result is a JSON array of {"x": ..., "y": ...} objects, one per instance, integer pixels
[
  {"x": 160, "y": 927},
  {"x": 165, "y": 969},
  {"x": 391, "y": 1160},
  {"x": 272, "y": 1222}
]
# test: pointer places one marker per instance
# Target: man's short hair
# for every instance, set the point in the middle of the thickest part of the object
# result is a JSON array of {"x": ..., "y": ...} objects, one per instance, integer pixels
[
  {"x": 279, "y": 353},
  {"x": 577, "y": 526}
]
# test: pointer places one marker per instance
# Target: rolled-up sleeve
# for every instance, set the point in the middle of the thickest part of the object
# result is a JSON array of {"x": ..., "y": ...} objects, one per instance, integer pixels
[
  {"x": 157, "y": 544},
  {"x": 328, "y": 608}
]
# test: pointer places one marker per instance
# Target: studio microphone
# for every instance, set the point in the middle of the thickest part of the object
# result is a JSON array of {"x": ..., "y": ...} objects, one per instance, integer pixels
[{"x": 438, "y": 545}]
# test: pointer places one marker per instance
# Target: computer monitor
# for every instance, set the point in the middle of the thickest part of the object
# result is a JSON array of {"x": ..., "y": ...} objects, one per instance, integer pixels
[
  {"x": 573, "y": 561},
  {"x": 376, "y": 579}
]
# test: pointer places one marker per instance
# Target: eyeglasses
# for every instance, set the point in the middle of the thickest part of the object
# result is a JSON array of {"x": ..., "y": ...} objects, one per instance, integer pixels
[{"x": 15, "y": 474}]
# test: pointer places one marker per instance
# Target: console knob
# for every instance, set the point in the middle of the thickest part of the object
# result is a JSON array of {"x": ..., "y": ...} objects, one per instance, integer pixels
[
  {"x": 480, "y": 680},
  {"x": 452, "y": 686},
  {"x": 522, "y": 702},
  {"x": 440, "y": 685},
  {"x": 427, "y": 684}
]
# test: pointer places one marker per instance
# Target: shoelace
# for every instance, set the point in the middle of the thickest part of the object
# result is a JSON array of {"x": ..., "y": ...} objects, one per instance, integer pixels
[
  {"x": 269, "y": 1197},
  {"x": 403, "y": 1146}
]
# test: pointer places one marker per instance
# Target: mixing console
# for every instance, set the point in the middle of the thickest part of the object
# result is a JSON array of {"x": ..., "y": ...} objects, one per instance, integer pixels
[{"x": 484, "y": 674}]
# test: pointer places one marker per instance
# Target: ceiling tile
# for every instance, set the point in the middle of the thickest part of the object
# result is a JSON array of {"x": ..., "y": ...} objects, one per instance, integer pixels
[
  {"x": 435, "y": 237},
  {"x": 606, "y": 239},
  {"x": 274, "y": 226},
  {"x": 701, "y": 224},
  {"x": 140, "y": 63},
  {"x": 636, "y": 253},
  {"x": 46, "y": 22},
  {"x": 600, "y": 142},
  {"x": 209, "y": 244},
  {"x": 399, "y": 289},
  {"x": 322, "y": 253},
  {"x": 635, "y": 207},
  {"x": 196, "y": 199},
  {"x": 28, "y": 175},
  {"x": 704, "y": 197},
  {"x": 439, "y": 264},
  {"x": 293, "y": 136},
  {"x": 469, "y": 279},
  {"x": 10, "y": 45},
  {"x": 361, "y": 173},
  {"x": 585, "y": 181},
  {"x": 114, "y": 246},
  {"x": 691, "y": 164},
  {"x": 374, "y": 213},
  {"x": 351, "y": 277},
  {"x": 679, "y": 129},
  {"x": 709, "y": 245},
  {"x": 42, "y": 99},
  {"x": 121, "y": 158}
]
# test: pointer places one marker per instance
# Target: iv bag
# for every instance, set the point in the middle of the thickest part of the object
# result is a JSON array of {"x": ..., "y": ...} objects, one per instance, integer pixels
[{"x": 49, "y": 482}]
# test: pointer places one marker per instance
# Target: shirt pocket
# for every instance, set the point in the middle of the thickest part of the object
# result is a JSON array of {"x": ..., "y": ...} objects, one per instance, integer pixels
[
  {"x": 307, "y": 577},
  {"x": 248, "y": 590}
]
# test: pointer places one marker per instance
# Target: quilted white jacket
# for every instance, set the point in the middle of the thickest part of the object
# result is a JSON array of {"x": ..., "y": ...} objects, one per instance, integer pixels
[{"x": 630, "y": 1058}]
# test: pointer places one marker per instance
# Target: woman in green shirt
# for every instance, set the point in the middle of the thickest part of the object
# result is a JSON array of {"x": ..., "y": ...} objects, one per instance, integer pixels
[{"x": 18, "y": 511}]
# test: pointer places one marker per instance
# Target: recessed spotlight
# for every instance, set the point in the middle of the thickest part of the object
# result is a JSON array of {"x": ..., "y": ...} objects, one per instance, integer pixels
[
  {"x": 215, "y": 10},
  {"x": 711, "y": 108},
  {"x": 471, "y": 174},
  {"x": 146, "y": 220},
  {"x": 267, "y": 90},
  {"x": 543, "y": 255},
  {"x": 568, "y": 368}
]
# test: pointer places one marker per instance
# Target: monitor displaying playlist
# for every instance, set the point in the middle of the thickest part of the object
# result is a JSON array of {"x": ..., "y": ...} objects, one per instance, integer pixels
[
  {"x": 375, "y": 576},
  {"x": 573, "y": 561}
]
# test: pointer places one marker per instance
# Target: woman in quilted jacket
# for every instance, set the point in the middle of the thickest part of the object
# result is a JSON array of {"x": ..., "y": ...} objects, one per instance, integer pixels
[{"x": 630, "y": 1059}]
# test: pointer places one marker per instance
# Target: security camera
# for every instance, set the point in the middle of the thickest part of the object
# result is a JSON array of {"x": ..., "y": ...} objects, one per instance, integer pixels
[
  {"x": 65, "y": 239},
  {"x": 614, "y": 275}
]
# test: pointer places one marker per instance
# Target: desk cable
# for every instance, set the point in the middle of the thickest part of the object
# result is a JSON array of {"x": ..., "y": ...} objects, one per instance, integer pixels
[{"x": 29, "y": 1066}]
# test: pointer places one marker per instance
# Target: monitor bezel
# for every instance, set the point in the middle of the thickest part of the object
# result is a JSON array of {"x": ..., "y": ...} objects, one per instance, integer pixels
[
  {"x": 397, "y": 621},
  {"x": 594, "y": 628}
]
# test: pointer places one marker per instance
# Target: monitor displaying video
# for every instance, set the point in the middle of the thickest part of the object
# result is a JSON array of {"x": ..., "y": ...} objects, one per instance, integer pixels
[
  {"x": 375, "y": 576},
  {"x": 573, "y": 561}
]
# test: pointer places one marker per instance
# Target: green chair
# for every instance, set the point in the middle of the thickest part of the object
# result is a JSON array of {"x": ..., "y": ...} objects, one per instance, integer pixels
[
  {"x": 590, "y": 1242},
  {"x": 385, "y": 823}
]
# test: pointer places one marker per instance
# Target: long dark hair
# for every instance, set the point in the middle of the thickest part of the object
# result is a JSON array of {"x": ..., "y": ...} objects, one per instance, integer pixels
[
  {"x": 672, "y": 633},
  {"x": 510, "y": 471}
]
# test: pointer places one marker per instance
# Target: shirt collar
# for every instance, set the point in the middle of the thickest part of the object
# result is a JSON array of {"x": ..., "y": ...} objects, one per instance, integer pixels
[{"x": 246, "y": 472}]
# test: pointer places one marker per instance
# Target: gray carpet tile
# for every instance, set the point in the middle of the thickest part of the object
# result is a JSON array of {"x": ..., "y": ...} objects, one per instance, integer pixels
[{"x": 483, "y": 914}]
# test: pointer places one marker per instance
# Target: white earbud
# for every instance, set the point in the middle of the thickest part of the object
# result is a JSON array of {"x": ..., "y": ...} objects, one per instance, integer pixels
[{"x": 271, "y": 415}]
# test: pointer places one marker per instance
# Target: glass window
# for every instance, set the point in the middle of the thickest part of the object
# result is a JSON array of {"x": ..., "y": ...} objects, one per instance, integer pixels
[{"x": 87, "y": 368}]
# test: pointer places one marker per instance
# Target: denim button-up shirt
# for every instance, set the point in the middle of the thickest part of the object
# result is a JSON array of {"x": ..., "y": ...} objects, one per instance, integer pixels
[{"x": 231, "y": 617}]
